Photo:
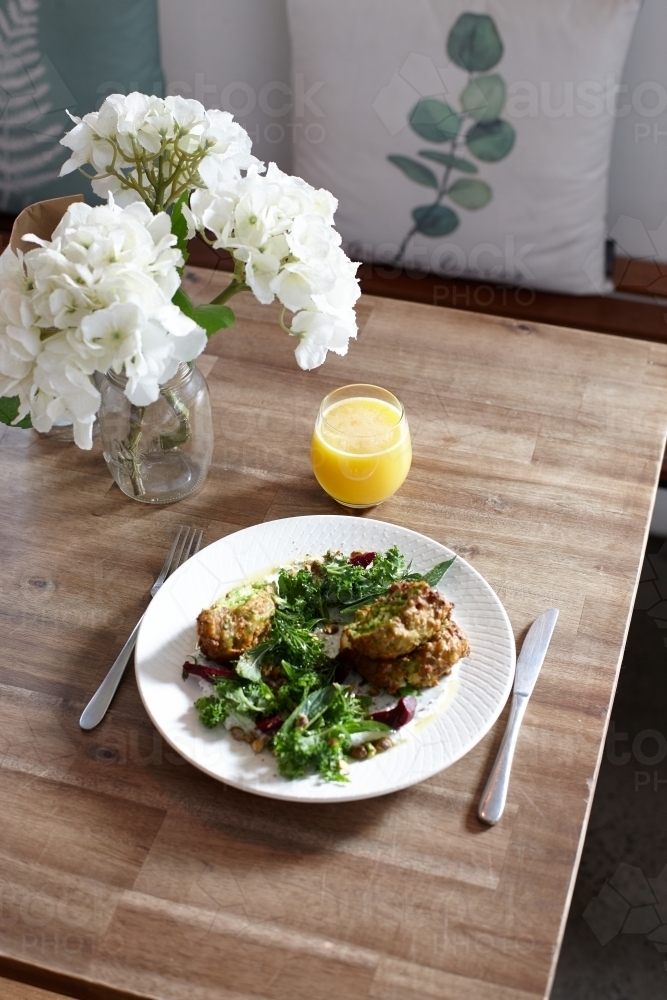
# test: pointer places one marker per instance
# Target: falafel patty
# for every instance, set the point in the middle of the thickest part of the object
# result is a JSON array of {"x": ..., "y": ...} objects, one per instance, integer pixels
[
  {"x": 236, "y": 622},
  {"x": 423, "y": 667},
  {"x": 396, "y": 623}
]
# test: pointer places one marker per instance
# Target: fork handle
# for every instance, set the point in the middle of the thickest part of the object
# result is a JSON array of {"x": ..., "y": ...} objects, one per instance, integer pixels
[{"x": 97, "y": 707}]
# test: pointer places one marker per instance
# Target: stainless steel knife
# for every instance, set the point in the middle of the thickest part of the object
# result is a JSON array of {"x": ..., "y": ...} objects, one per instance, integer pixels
[{"x": 528, "y": 666}]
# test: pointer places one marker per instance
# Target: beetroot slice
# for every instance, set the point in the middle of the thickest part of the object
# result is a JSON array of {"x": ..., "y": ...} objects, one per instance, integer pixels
[
  {"x": 208, "y": 673},
  {"x": 362, "y": 559},
  {"x": 269, "y": 725},
  {"x": 399, "y": 715}
]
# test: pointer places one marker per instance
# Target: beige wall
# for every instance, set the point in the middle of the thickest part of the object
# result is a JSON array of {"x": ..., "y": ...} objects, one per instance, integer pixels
[
  {"x": 227, "y": 54},
  {"x": 638, "y": 182}
]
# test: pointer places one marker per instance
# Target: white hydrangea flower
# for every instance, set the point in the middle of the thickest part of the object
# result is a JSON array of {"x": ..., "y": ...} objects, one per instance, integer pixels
[
  {"x": 281, "y": 229},
  {"x": 19, "y": 335},
  {"x": 320, "y": 332},
  {"x": 110, "y": 337},
  {"x": 153, "y": 148},
  {"x": 96, "y": 296},
  {"x": 61, "y": 388}
]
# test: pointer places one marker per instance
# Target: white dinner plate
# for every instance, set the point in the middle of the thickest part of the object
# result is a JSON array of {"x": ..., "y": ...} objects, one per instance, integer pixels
[{"x": 451, "y": 720}]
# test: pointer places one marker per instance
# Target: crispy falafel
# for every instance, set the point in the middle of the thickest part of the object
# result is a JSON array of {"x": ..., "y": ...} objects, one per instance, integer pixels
[
  {"x": 421, "y": 668},
  {"x": 396, "y": 623},
  {"x": 236, "y": 622}
]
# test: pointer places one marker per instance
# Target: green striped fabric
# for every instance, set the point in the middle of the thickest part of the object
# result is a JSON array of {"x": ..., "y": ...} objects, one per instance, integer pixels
[{"x": 58, "y": 54}]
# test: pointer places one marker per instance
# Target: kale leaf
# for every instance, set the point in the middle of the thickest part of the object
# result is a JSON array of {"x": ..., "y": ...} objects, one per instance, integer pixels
[{"x": 289, "y": 674}]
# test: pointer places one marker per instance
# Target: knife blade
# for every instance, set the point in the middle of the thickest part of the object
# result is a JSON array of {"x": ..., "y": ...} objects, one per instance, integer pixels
[{"x": 528, "y": 666}]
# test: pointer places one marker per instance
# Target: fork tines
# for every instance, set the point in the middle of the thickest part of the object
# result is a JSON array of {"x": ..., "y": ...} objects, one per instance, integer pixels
[{"x": 186, "y": 544}]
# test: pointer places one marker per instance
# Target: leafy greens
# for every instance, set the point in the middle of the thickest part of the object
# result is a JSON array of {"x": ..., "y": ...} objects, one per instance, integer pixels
[{"x": 289, "y": 675}]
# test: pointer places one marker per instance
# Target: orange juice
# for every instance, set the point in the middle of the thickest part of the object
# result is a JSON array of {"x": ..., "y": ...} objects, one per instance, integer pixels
[{"x": 361, "y": 451}]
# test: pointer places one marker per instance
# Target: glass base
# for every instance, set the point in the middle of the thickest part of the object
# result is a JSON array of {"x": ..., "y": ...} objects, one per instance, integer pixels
[
  {"x": 163, "y": 477},
  {"x": 359, "y": 506}
]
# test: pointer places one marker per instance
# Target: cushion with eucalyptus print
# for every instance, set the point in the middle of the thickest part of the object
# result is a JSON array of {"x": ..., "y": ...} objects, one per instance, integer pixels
[{"x": 464, "y": 136}]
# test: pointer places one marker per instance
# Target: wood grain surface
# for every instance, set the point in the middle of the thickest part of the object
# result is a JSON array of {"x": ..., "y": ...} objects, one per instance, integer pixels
[
  {"x": 124, "y": 872},
  {"x": 635, "y": 310},
  {"x": 11, "y": 990}
]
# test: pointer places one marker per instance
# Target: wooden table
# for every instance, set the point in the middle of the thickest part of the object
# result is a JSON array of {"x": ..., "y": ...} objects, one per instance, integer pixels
[{"x": 124, "y": 872}]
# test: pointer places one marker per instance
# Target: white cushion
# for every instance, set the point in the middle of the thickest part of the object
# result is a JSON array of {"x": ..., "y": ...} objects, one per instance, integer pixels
[{"x": 537, "y": 218}]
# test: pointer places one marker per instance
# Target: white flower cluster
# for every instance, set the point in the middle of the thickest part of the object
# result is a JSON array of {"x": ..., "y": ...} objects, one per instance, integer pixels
[
  {"x": 281, "y": 229},
  {"x": 122, "y": 140},
  {"x": 96, "y": 296}
]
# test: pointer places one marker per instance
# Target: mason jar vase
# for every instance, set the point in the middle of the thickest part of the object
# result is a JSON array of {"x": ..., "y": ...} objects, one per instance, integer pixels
[{"x": 162, "y": 452}]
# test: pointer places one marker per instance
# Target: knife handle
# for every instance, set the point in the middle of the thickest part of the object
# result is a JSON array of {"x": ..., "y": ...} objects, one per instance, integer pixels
[{"x": 492, "y": 803}]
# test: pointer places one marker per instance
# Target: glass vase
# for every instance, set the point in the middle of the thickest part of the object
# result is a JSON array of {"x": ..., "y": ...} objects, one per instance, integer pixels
[{"x": 162, "y": 452}]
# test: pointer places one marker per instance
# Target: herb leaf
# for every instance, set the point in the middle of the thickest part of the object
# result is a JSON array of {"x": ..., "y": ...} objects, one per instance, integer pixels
[
  {"x": 435, "y": 575},
  {"x": 289, "y": 676},
  {"x": 350, "y": 584},
  {"x": 311, "y": 708}
]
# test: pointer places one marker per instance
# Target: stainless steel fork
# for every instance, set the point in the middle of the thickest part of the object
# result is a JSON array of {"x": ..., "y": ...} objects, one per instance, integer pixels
[{"x": 187, "y": 543}]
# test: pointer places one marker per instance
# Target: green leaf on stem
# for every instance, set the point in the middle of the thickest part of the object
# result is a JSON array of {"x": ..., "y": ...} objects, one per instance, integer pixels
[
  {"x": 448, "y": 160},
  {"x": 470, "y": 194},
  {"x": 491, "y": 142},
  {"x": 179, "y": 226},
  {"x": 9, "y": 409},
  {"x": 414, "y": 170},
  {"x": 434, "y": 120},
  {"x": 210, "y": 317},
  {"x": 474, "y": 43},
  {"x": 484, "y": 98},
  {"x": 435, "y": 220}
]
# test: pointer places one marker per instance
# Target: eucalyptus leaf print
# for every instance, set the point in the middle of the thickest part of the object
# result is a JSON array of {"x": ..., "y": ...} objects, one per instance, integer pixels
[
  {"x": 484, "y": 98},
  {"x": 470, "y": 194},
  {"x": 435, "y": 220},
  {"x": 434, "y": 120},
  {"x": 415, "y": 171},
  {"x": 476, "y": 130},
  {"x": 446, "y": 159},
  {"x": 491, "y": 141},
  {"x": 474, "y": 43}
]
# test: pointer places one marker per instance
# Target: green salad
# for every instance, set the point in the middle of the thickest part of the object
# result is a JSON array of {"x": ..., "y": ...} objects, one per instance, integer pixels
[{"x": 287, "y": 693}]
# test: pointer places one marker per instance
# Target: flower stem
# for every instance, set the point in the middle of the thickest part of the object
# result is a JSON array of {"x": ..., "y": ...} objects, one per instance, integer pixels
[
  {"x": 232, "y": 288},
  {"x": 183, "y": 432},
  {"x": 281, "y": 321},
  {"x": 130, "y": 450}
]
